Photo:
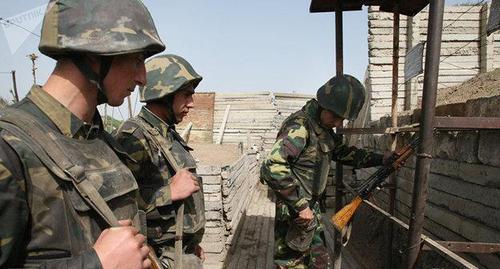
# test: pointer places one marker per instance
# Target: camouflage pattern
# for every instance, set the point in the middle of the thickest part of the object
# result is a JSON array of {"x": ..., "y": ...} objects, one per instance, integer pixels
[
  {"x": 48, "y": 223},
  {"x": 343, "y": 95},
  {"x": 299, "y": 161},
  {"x": 153, "y": 174},
  {"x": 287, "y": 258},
  {"x": 97, "y": 27},
  {"x": 167, "y": 74}
]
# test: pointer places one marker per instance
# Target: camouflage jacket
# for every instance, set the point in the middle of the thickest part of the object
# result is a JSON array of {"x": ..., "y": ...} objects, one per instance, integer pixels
[
  {"x": 153, "y": 174},
  {"x": 301, "y": 156},
  {"x": 44, "y": 221}
]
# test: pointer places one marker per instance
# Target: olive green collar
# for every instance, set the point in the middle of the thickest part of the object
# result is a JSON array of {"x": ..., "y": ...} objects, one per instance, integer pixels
[
  {"x": 155, "y": 121},
  {"x": 65, "y": 121}
]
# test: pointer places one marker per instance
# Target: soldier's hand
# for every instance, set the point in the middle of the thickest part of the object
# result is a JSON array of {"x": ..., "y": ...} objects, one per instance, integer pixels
[
  {"x": 183, "y": 184},
  {"x": 305, "y": 217},
  {"x": 200, "y": 253},
  {"x": 122, "y": 247}
]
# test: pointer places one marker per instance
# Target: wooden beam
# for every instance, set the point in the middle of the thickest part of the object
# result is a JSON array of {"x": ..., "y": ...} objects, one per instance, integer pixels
[
  {"x": 468, "y": 247},
  {"x": 223, "y": 124}
]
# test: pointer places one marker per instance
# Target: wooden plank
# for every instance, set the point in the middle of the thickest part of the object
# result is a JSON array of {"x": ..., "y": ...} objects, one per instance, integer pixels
[{"x": 223, "y": 125}]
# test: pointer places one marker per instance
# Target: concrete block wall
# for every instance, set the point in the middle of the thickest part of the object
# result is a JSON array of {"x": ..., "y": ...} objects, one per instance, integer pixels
[
  {"x": 227, "y": 194},
  {"x": 465, "y": 52},
  {"x": 464, "y": 181},
  {"x": 254, "y": 118}
]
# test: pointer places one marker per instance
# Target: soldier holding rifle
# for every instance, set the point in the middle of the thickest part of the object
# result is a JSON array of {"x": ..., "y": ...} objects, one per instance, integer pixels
[{"x": 297, "y": 169}]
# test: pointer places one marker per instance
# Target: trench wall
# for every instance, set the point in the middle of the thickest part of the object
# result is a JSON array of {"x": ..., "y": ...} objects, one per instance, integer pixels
[
  {"x": 227, "y": 193},
  {"x": 465, "y": 52},
  {"x": 464, "y": 185}
]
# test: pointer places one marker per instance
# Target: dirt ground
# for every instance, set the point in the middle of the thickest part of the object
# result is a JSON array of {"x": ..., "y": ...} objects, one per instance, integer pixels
[
  {"x": 212, "y": 154},
  {"x": 482, "y": 85}
]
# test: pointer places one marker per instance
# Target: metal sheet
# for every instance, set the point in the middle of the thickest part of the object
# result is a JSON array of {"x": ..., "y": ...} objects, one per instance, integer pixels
[
  {"x": 494, "y": 19},
  {"x": 408, "y": 8},
  {"x": 414, "y": 61}
]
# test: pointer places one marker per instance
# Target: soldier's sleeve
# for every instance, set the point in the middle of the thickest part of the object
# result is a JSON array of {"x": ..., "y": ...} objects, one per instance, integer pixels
[
  {"x": 352, "y": 156},
  {"x": 144, "y": 170},
  {"x": 276, "y": 169},
  {"x": 13, "y": 208}
]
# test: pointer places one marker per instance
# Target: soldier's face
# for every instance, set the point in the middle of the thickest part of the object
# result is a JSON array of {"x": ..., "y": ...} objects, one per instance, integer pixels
[
  {"x": 183, "y": 102},
  {"x": 126, "y": 72},
  {"x": 330, "y": 120}
]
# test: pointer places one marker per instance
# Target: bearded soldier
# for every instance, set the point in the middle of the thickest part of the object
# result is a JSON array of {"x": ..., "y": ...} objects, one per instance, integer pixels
[
  {"x": 297, "y": 167},
  {"x": 170, "y": 191},
  {"x": 62, "y": 180}
]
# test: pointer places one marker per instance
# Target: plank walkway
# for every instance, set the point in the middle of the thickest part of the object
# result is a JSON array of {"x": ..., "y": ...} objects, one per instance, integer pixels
[
  {"x": 253, "y": 243},
  {"x": 252, "y": 246}
]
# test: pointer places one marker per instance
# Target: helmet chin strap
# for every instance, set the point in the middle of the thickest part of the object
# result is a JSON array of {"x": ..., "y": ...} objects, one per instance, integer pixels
[{"x": 93, "y": 77}]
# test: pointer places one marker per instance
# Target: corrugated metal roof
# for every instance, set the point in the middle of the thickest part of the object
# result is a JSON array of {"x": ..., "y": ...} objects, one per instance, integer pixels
[{"x": 409, "y": 8}]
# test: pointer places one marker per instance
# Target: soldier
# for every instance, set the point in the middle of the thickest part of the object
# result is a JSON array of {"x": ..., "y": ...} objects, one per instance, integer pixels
[
  {"x": 297, "y": 167},
  {"x": 62, "y": 180},
  {"x": 164, "y": 168}
]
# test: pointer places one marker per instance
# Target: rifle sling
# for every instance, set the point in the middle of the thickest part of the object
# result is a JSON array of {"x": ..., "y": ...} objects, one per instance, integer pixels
[{"x": 153, "y": 134}]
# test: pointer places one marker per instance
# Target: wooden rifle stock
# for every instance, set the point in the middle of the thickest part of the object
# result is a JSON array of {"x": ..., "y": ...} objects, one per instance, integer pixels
[{"x": 343, "y": 216}]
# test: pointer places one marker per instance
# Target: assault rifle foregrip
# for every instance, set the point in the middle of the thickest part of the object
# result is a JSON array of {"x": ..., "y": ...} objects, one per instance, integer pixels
[{"x": 341, "y": 218}]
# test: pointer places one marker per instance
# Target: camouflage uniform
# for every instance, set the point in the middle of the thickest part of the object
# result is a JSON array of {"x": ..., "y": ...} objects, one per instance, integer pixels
[
  {"x": 300, "y": 160},
  {"x": 47, "y": 153},
  {"x": 43, "y": 220},
  {"x": 142, "y": 137}
]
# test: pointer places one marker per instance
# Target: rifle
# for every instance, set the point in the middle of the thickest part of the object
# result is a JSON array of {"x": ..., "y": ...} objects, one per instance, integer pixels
[{"x": 341, "y": 218}]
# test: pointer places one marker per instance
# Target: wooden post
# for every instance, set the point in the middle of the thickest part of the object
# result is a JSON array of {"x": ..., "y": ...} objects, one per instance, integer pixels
[
  {"x": 394, "y": 117},
  {"x": 14, "y": 85},
  {"x": 412, "y": 39},
  {"x": 223, "y": 125},
  {"x": 129, "y": 101},
  {"x": 486, "y": 43}
]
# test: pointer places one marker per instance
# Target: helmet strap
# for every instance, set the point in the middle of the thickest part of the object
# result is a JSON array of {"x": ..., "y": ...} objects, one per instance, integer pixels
[{"x": 94, "y": 78}]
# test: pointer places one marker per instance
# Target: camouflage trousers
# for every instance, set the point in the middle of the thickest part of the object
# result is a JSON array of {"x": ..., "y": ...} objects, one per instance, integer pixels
[{"x": 316, "y": 257}]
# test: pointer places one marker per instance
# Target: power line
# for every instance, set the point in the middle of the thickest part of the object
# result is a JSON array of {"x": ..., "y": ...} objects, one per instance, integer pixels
[
  {"x": 17, "y": 25},
  {"x": 467, "y": 11}
]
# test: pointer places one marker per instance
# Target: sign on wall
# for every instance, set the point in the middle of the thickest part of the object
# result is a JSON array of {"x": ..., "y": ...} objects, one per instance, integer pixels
[
  {"x": 414, "y": 61},
  {"x": 494, "y": 19}
]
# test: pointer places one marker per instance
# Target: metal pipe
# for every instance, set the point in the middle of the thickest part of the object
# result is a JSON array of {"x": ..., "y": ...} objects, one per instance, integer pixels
[
  {"x": 394, "y": 117},
  {"x": 431, "y": 75},
  {"x": 339, "y": 170}
]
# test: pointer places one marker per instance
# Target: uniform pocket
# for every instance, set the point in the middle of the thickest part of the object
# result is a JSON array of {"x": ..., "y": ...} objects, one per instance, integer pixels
[{"x": 299, "y": 238}]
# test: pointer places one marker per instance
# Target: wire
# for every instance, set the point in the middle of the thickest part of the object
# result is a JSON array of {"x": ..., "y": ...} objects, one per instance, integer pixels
[
  {"x": 17, "y": 25},
  {"x": 467, "y": 11},
  {"x": 6, "y": 73}
]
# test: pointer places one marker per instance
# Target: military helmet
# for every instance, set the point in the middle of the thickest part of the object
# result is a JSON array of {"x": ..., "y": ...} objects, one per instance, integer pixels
[
  {"x": 167, "y": 74},
  {"x": 96, "y": 27},
  {"x": 343, "y": 95}
]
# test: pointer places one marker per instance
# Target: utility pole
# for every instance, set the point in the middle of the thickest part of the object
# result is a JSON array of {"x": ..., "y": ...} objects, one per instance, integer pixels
[
  {"x": 129, "y": 107},
  {"x": 33, "y": 58},
  {"x": 16, "y": 96}
]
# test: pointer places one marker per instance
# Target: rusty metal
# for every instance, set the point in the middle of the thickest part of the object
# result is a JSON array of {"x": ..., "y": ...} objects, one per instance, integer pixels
[
  {"x": 440, "y": 124},
  {"x": 468, "y": 247},
  {"x": 394, "y": 117},
  {"x": 466, "y": 123},
  {"x": 420, "y": 185},
  {"x": 339, "y": 170},
  {"x": 431, "y": 244},
  {"x": 408, "y": 8}
]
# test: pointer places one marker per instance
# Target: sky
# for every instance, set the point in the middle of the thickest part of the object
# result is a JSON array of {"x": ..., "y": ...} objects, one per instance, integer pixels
[{"x": 237, "y": 46}]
